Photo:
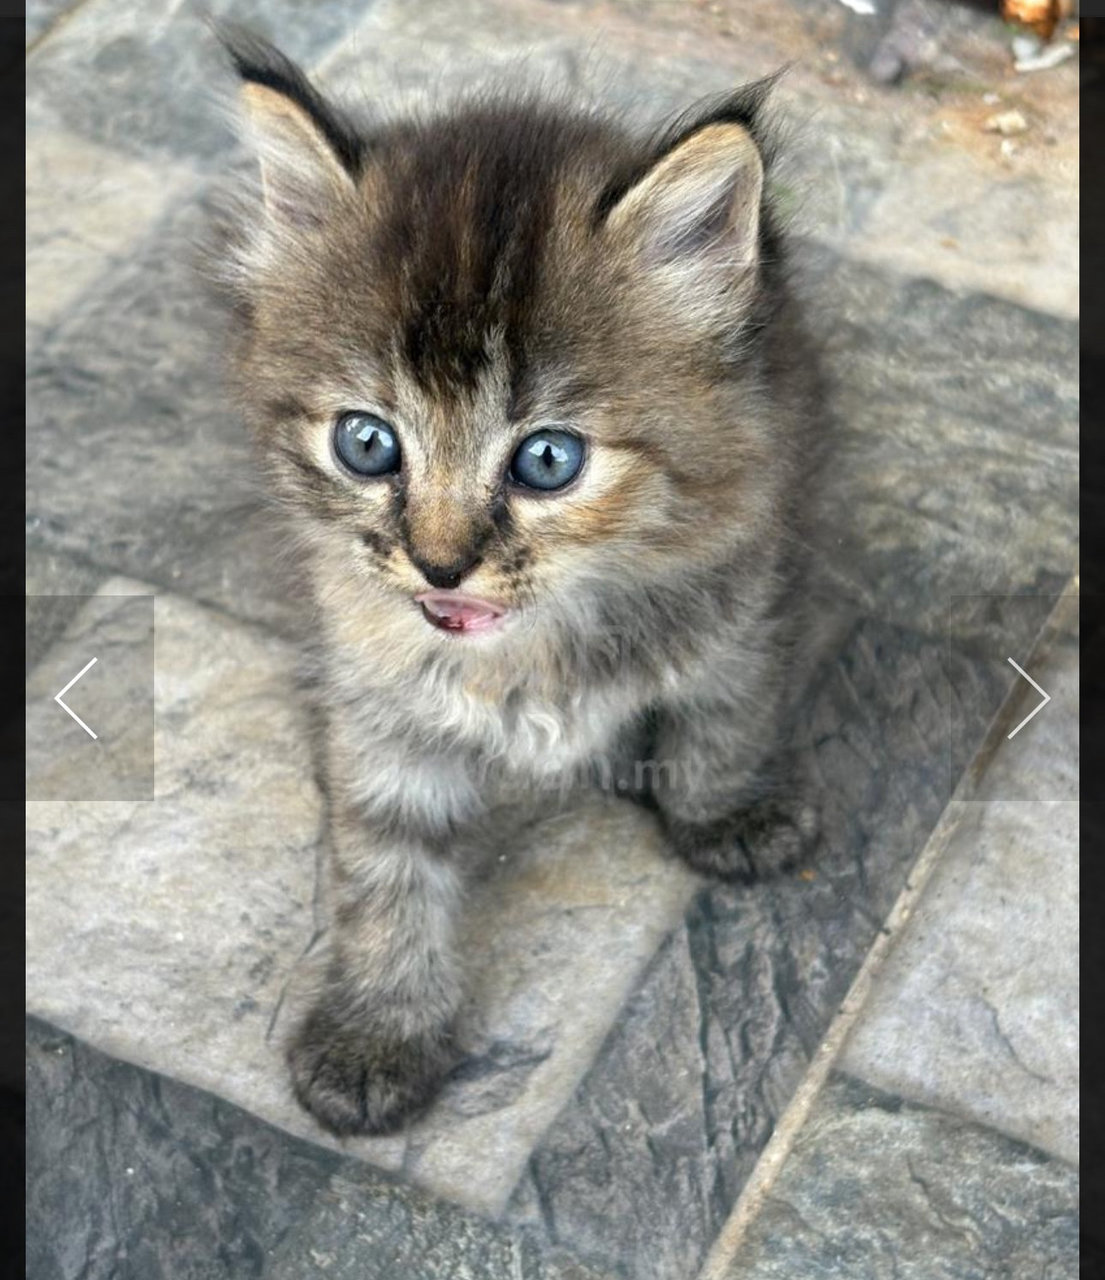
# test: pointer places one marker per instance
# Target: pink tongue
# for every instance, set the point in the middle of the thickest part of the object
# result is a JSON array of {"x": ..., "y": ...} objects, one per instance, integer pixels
[{"x": 455, "y": 612}]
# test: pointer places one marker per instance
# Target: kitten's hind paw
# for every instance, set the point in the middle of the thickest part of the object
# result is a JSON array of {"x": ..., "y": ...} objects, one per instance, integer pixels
[
  {"x": 355, "y": 1081},
  {"x": 767, "y": 838}
]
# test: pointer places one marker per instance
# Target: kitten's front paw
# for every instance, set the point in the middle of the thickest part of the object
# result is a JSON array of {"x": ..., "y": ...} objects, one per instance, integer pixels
[
  {"x": 767, "y": 838},
  {"x": 354, "y": 1080}
]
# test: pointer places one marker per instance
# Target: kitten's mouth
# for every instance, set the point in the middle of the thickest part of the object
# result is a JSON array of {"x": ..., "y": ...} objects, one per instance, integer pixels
[{"x": 454, "y": 611}]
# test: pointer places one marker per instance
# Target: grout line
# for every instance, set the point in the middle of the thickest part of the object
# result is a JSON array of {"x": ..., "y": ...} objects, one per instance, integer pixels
[
  {"x": 53, "y": 26},
  {"x": 774, "y": 1155}
]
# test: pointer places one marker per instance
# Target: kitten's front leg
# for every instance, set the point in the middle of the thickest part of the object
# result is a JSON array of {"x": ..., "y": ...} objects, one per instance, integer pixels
[
  {"x": 732, "y": 806},
  {"x": 376, "y": 1044}
]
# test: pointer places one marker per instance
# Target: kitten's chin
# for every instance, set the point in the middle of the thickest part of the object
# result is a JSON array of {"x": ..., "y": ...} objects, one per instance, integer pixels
[{"x": 460, "y": 614}]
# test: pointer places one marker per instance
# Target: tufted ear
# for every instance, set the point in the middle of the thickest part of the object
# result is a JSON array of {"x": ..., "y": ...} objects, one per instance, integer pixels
[
  {"x": 308, "y": 152},
  {"x": 694, "y": 214}
]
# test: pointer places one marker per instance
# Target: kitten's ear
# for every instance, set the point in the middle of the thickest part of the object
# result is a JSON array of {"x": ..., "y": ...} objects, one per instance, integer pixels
[
  {"x": 307, "y": 150},
  {"x": 696, "y": 208}
]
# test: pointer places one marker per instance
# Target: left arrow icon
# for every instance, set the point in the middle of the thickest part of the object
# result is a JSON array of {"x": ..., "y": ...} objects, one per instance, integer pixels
[{"x": 69, "y": 710}]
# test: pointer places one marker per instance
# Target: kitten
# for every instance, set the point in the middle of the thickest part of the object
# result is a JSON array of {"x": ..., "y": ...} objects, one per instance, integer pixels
[{"x": 535, "y": 398}]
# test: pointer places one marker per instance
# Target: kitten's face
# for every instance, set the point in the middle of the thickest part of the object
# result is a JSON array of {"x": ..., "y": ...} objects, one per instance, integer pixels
[{"x": 488, "y": 398}]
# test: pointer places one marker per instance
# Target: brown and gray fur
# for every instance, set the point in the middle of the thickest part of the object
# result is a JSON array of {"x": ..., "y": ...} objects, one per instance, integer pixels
[{"x": 468, "y": 276}]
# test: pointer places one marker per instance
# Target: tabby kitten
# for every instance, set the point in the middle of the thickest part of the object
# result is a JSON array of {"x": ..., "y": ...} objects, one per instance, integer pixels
[{"x": 534, "y": 397}]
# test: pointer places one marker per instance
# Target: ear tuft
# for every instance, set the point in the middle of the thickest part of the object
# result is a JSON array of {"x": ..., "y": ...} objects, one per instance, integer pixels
[
  {"x": 306, "y": 148},
  {"x": 746, "y": 106}
]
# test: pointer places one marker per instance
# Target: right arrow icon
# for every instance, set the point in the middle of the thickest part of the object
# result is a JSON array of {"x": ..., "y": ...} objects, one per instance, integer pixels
[{"x": 1039, "y": 707}]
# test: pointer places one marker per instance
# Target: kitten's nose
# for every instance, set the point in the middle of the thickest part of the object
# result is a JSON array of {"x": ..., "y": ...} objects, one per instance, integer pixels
[{"x": 446, "y": 576}]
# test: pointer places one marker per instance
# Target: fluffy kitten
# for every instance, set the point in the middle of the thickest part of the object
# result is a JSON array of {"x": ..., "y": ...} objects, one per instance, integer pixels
[{"x": 535, "y": 399}]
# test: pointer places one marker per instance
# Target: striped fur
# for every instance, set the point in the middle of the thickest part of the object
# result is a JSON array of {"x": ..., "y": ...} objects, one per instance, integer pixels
[{"x": 470, "y": 276}]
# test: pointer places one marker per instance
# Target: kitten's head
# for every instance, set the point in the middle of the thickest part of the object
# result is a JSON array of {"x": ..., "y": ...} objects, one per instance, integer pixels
[{"x": 505, "y": 362}]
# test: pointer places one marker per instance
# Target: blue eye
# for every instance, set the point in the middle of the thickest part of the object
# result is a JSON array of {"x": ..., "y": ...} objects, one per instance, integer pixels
[
  {"x": 366, "y": 444},
  {"x": 547, "y": 460}
]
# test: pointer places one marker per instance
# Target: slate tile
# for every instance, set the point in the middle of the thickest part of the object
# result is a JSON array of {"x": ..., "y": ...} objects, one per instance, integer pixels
[
  {"x": 149, "y": 80},
  {"x": 956, "y": 471},
  {"x": 876, "y": 1187},
  {"x": 169, "y": 933},
  {"x": 100, "y": 747},
  {"x": 126, "y": 392},
  {"x": 86, "y": 208},
  {"x": 404, "y": 57},
  {"x": 976, "y": 1011},
  {"x": 173, "y": 943},
  {"x": 642, "y": 1168},
  {"x": 55, "y": 584},
  {"x": 135, "y": 1177}
]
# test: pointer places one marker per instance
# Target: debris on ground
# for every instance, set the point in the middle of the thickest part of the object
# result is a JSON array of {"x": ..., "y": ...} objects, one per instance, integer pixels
[
  {"x": 1031, "y": 54},
  {"x": 1007, "y": 123},
  {"x": 1040, "y": 16},
  {"x": 1033, "y": 47},
  {"x": 912, "y": 33}
]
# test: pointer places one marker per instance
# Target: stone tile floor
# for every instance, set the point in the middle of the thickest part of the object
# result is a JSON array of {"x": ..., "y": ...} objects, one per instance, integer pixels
[{"x": 867, "y": 1070}]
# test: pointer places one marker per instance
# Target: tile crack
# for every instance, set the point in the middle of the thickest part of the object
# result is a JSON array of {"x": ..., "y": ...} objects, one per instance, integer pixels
[{"x": 1007, "y": 1044}]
